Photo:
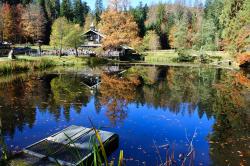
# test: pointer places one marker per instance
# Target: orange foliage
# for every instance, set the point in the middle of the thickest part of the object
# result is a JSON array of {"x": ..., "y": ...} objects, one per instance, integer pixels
[
  {"x": 116, "y": 93},
  {"x": 244, "y": 59},
  {"x": 242, "y": 37},
  {"x": 119, "y": 28},
  {"x": 243, "y": 80},
  {"x": 233, "y": 94},
  {"x": 7, "y": 15},
  {"x": 171, "y": 37},
  {"x": 233, "y": 88},
  {"x": 190, "y": 36}
]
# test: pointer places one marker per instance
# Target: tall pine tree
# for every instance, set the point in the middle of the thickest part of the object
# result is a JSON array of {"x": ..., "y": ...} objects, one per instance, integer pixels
[
  {"x": 232, "y": 22},
  {"x": 140, "y": 16},
  {"x": 53, "y": 9},
  {"x": 78, "y": 12},
  {"x": 47, "y": 21},
  {"x": 98, "y": 10},
  {"x": 66, "y": 10}
]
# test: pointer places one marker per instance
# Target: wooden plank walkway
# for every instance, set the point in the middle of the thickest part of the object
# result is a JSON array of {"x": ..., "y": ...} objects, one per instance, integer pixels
[{"x": 71, "y": 146}]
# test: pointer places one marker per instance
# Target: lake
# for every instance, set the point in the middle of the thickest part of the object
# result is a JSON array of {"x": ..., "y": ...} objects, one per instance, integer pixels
[{"x": 152, "y": 109}]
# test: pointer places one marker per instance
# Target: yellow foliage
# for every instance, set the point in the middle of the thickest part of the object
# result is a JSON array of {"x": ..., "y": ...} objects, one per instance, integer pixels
[
  {"x": 171, "y": 36},
  {"x": 119, "y": 28}
]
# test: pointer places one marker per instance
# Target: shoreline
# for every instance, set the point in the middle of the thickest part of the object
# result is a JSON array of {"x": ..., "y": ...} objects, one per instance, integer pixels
[{"x": 28, "y": 63}]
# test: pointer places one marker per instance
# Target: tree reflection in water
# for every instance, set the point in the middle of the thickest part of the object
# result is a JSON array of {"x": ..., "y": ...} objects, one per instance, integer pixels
[
  {"x": 116, "y": 93},
  {"x": 217, "y": 93},
  {"x": 221, "y": 94},
  {"x": 21, "y": 99},
  {"x": 230, "y": 139}
]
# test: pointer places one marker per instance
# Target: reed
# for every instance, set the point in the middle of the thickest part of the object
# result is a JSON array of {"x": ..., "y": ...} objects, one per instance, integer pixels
[
  {"x": 10, "y": 67},
  {"x": 99, "y": 152}
]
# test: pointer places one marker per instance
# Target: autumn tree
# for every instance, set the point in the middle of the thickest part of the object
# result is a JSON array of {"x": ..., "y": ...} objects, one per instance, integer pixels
[
  {"x": 119, "y": 28},
  {"x": 19, "y": 10},
  {"x": 74, "y": 38},
  {"x": 8, "y": 24},
  {"x": 180, "y": 34},
  {"x": 34, "y": 23},
  {"x": 171, "y": 36},
  {"x": 151, "y": 41},
  {"x": 119, "y": 5},
  {"x": 1, "y": 24},
  {"x": 60, "y": 29}
]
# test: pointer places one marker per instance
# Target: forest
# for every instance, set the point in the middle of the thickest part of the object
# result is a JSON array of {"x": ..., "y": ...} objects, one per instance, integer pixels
[{"x": 211, "y": 25}]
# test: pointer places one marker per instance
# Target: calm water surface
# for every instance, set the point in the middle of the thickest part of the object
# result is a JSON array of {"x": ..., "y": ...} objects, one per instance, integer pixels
[{"x": 168, "y": 105}]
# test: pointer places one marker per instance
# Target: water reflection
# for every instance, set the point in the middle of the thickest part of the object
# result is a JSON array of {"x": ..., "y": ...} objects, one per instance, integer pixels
[
  {"x": 214, "y": 93},
  {"x": 115, "y": 94}
]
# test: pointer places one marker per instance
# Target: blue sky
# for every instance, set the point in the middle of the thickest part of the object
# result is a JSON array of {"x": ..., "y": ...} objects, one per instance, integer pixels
[{"x": 91, "y": 3}]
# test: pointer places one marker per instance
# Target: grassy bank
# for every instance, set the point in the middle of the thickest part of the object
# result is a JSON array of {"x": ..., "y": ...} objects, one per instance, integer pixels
[
  {"x": 160, "y": 56},
  {"x": 170, "y": 56},
  {"x": 27, "y": 63}
]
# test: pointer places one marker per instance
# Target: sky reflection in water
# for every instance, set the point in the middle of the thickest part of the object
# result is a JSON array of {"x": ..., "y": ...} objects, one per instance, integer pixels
[{"x": 171, "y": 103}]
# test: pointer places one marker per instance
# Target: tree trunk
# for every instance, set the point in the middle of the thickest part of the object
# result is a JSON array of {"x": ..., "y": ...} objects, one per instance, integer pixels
[
  {"x": 40, "y": 51},
  {"x": 76, "y": 52},
  {"x": 60, "y": 52}
]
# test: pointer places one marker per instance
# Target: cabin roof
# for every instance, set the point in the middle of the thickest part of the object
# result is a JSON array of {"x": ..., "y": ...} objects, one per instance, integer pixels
[
  {"x": 126, "y": 47},
  {"x": 96, "y": 32}
]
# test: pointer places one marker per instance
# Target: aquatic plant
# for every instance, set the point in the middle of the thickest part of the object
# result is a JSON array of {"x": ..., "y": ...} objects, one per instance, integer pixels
[
  {"x": 11, "y": 67},
  {"x": 25, "y": 63},
  {"x": 4, "y": 152},
  {"x": 23, "y": 66},
  {"x": 182, "y": 159},
  {"x": 99, "y": 155}
]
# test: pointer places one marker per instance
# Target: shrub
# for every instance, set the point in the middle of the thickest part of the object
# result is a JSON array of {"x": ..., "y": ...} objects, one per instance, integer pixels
[
  {"x": 204, "y": 58},
  {"x": 43, "y": 64},
  {"x": 184, "y": 56}
]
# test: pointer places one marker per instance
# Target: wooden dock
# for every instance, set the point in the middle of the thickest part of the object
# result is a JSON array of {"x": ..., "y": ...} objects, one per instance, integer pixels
[{"x": 71, "y": 146}]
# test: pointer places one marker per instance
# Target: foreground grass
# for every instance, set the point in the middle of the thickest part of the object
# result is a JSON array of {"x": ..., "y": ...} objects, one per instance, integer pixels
[
  {"x": 58, "y": 61},
  {"x": 27, "y": 63}
]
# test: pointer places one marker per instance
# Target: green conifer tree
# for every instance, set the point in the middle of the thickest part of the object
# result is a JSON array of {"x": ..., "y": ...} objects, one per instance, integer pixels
[
  {"x": 98, "y": 10},
  {"x": 66, "y": 10},
  {"x": 78, "y": 12}
]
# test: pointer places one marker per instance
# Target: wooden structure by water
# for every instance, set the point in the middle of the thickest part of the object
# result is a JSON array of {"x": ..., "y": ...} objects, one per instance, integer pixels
[{"x": 71, "y": 146}]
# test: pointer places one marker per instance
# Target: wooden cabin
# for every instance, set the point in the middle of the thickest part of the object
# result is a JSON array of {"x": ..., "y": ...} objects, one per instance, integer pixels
[{"x": 93, "y": 38}]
